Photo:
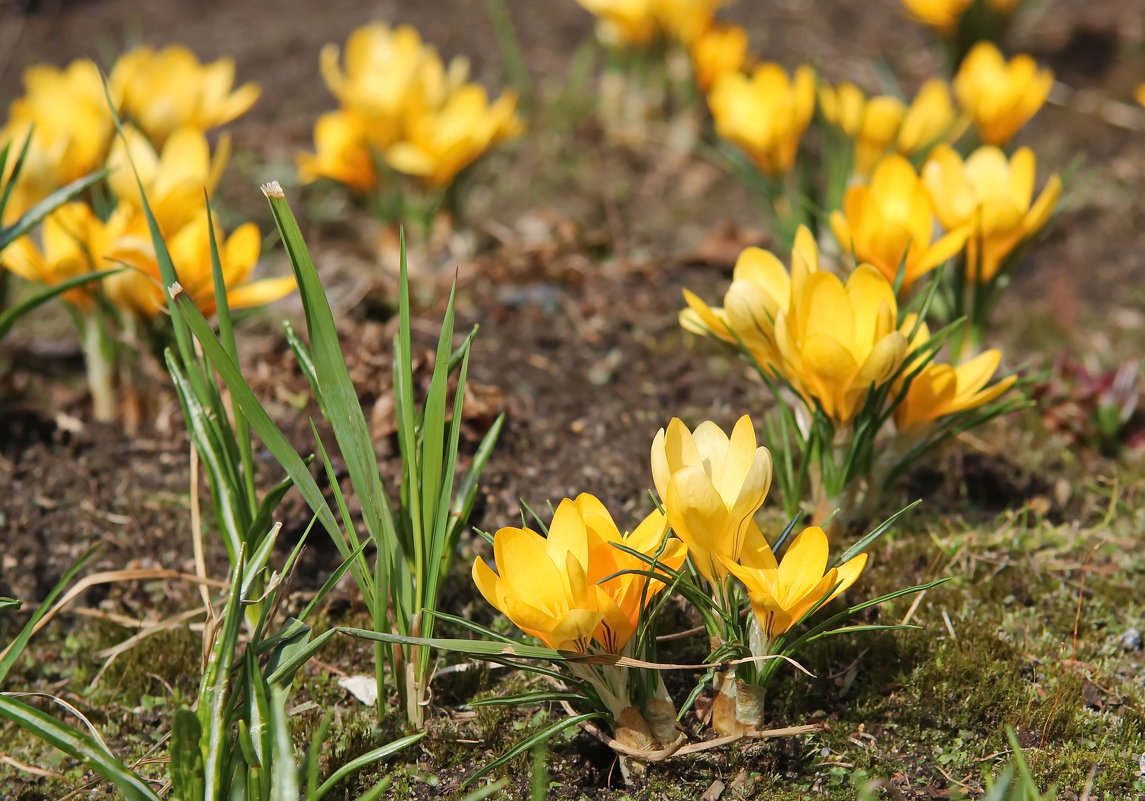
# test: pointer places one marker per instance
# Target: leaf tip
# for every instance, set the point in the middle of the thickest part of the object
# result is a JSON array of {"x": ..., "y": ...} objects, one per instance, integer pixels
[
  {"x": 175, "y": 290},
  {"x": 273, "y": 189}
]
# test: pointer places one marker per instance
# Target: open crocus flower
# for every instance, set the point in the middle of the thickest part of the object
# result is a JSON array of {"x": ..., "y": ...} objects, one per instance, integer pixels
[
  {"x": 760, "y": 289},
  {"x": 562, "y": 589},
  {"x": 836, "y": 341},
  {"x": 620, "y": 598},
  {"x": 782, "y": 593},
  {"x": 440, "y": 142},
  {"x": 75, "y": 242},
  {"x": 943, "y": 15},
  {"x": 139, "y": 288},
  {"x": 764, "y": 113},
  {"x": 164, "y": 90},
  {"x": 941, "y": 389},
  {"x": 993, "y": 198},
  {"x": 1000, "y": 96},
  {"x": 719, "y": 50},
  {"x": 342, "y": 153},
  {"x": 174, "y": 179},
  {"x": 711, "y": 486},
  {"x": 888, "y": 223}
]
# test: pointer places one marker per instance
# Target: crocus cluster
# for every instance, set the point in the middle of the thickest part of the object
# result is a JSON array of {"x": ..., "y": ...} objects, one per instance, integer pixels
[
  {"x": 585, "y": 588},
  {"x": 405, "y": 111},
  {"x": 844, "y": 350},
  {"x": 168, "y": 101}
]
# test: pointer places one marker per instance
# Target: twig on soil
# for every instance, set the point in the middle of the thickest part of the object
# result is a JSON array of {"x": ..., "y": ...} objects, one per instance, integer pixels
[
  {"x": 678, "y": 747},
  {"x": 953, "y": 780},
  {"x": 113, "y": 653},
  {"x": 949, "y": 625},
  {"x": 913, "y": 607},
  {"x": 32, "y": 769},
  {"x": 112, "y": 577}
]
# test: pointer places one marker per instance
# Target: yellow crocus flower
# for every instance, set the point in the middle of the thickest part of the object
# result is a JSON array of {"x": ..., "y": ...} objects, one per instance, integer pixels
[
  {"x": 888, "y": 223},
  {"x": 929, "y": 118},
  {"x": 66, "y": 113},
  {"x": 782, "y": 593},
  {"x": 992, "y": 197},
  {"x": 387, "y": 73},
  {"x": 342, "y": 153},
  {"x": 75, "y": 242},
  {"x": 873, "y": 124},
  {"x": 943, "y": 15},
  {"x": 942, "y": 389},
  {"x": 765, "y": 113},
  {"x": 836, "y": 341},
  {"x": 686, "y": 20},
  {"x": 440, "y": 142},
  {"x": 884, "y": 123},
  {"x": 624, "y": 23},
  {"x": 1000, "y": 96},
  {"x": 174, "y": 178},
  {"x": 140, "y": 289},
  {"x": 711, "y": 486},
  {"x": 561, "y": 588},
  {"x": 719, "y": 50},
  {"x": 165, "y": 90},
  {"x": 760, "y": 289},
  {"x": 622, "y": 595}
]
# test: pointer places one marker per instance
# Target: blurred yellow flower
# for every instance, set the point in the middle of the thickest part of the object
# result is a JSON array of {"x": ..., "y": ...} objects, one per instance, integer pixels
[
  {"x": 1000, "y": 96},
  {"x": 402, "y": 106},
  {"x": 836, "y": 341},
  {"x": 174, "y": 179},
  {"x": 75, "y": 242},
  {"x": 385, "y": 75},
  {"x": 991, "y": 197},
  {"x": 623, "y": 23},
  {"x": 888, "y": 223},
  {"x": 929, "y": 118},
  {"x": 686, "y": 20},
  {"x": 873, "y": 124},
  {"x": 164, "y": 90},
  {"x": 943, "y": 15},
  {"x": 720, "y": 49},
  {"x": 442, "y": 141},
  {"x": 760, "y": 289},
  {"x": 782, "y": 593},
  {"x": 711, "y": 486},
  {"x": 1139, "y": 93},
  {"x": 140, "y": 289},
  {"x": 884, "y": 122},
  {"x": 342, "y": 153},
  {"x": 555, "y": 589},
  {"x": 68, "y": 112},
  {"x": 764, "y": 113}
]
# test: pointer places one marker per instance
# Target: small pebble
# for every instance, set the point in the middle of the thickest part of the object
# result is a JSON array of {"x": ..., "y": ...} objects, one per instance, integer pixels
[{"x": 1131, "y": 640}]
